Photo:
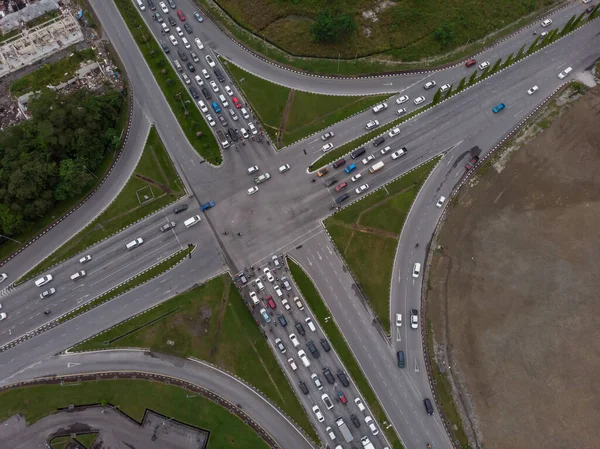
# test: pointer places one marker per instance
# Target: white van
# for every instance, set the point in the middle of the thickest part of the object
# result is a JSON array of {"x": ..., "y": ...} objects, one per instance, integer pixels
[
  {"x": 186, "y": 43},
  {"x": 78, "y": 275},
  {"x": 141, "y": 5},
  {"x": 224, "y": 101},
  {"x": 416, "y": 270},
  {"x": 164, "y": 27},
  {"x": 134, "y": 243},
  {"x": 192, "y": 221},
  {"x": 304, "y": 358}
]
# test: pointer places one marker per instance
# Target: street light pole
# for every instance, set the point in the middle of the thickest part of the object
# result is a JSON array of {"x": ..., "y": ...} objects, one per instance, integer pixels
[
  {"x": 8, "y": 238},
  {"x": 88, "y": 170}
]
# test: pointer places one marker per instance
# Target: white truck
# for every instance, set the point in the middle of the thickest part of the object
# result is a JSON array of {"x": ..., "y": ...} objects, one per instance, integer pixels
[
  {"x": 344, "y": 429},
  {"x": 262, "y": 178},
  {"x": 366, "y": 443},
  {"x": 222, "y": 138}
]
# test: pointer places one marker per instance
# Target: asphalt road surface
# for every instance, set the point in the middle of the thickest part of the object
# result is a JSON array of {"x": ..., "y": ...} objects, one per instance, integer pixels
[{"x": 198, "y": 373}]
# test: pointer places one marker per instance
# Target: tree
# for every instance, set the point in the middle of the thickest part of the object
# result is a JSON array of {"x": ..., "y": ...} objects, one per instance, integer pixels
[
  {"x": 575, "y": 24},
  {"x": 437, "y": 97},
  {"x": 74, "y": 179},
  {"x": 472, "y": 78},
  {"x": 496, "y": 65},
  {"x": 10, "y": 221},
  {"x": 328, "y": 28},
  {"x": 444, "y": 34},
  {"x": 533, "y": 45},
  {"x": 485, "y": 72},
  {"x": 520, "y": 52},
  {"x": 461, "y": 85},
  {"x": 508, "y": 61}
]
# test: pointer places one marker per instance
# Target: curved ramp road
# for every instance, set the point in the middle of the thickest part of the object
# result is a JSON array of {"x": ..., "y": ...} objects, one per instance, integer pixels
[{"x": 198, "y": 373}]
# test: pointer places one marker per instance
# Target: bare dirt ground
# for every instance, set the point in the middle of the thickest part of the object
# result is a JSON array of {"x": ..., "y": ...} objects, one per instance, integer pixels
[{"x": 515, "y": 290}]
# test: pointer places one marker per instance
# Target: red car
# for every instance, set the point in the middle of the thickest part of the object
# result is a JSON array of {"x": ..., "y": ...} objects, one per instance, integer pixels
[
  {"x": 181, "y": 16},
  {"x": 472, "y": 163},
  {"x": 471, "y": 63},
  {"x": 342, "y": 397},
  {"x": 236, "y": 102},
  {"x": 270, "y": 301},
  {"x": 341, "y": 187}
]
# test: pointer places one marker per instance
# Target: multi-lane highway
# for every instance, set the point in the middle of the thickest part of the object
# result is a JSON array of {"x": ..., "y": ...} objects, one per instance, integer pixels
[{"x": 244, "y": 230}]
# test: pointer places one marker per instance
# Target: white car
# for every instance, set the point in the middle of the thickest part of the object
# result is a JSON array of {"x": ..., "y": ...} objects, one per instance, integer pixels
[
  {"x": 368, "y": 159},
  {"x": 298, "y": 303},
  {"x": 543, "y": 34},
  {"x": 372, "y": 124},
  {"x": 379, "y": 107},
  {"x": 329, "y": 431},
  {"x": 205, "y": 74},
  {"x": 278, "y": 291},
  {"x": 326, "y": 147},
  {"x": 484, "y": 65},
  {"x": 186, "y": 79},
  {"x": 284, "y": 168},
  {"x": 3, "y": 277},
  {"x": 245, "y": 134},
  {"x": 268, "y": 274},
  {"x": 294, "y": 340},
  {"x": 397, "y": 154},
  {"x": 292, "y": 364},
  {"x": 310, "y": 324},
  {"x": 280, "y": 345},
  {"x": 186, "y": 43},
  {"x": 254, "y": 298},
  {"x": 252, "y": 190},
  {"x": 359, "y": 403},
  {"x": 356, "y": 177},
  {"x": 2, "y": 316},
  {"x": 414, "y": 318},
  {"x": 199, "y": 81},
  {"x": 214, "y": 86},
  {"x": 245, "y": 113},
  {"x": 317, "y": 411},
  {"x": 173, "y": 40},
  {"x": 304, "y": 358},
  {"x": 43, "y": 280},
  {"x": 398, "y": 320},
  {"x": 445, "y": 87},
  {"x": 259, "y": 284},
  {"x": 362, "y": 189},
  {"x": 416, "y": 270},
  {"x": 369, "y": 422},
  {"x": 565, "y": 73},
  {"x": 210, "y": 61},
  {"x": 546, "y": 22},
  {"x": 78, "y": 275},
  {"x": 419, "y": 100},
  {"x": 47, "y": 293},
  {"x": 210, "y": 120},
  {"x": 85, "y": 259},
  {"x": 164, "y": 27},
  {"x": 440, "y": 201},
  {"x": 327, "y": 135},
  {"x": 286, "y": 305},
  {"x": 401, "y": 111},
  {"x": 252, "y": 128},
  {"x": 229, "y": 91},
  {"x": 394, "y": 132},
  {"x": 179, "y": 31},
  {"x": 253, "y": 169},
  {"x": 199, "y": 44},
  {"x": 402, "y": 99},
  {"x": 429, "y": 84},
  {"x": 164, "y": 7},
  {"x": 386, "y": 150}
]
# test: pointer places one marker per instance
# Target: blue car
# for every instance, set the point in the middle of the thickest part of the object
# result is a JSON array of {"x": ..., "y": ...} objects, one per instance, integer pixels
[
  {"x": 499, "y": 108},
  {"x": 350, "y": 168},
  {"x": 216, "y": 107},
  {"x": 206, "y": 206}
]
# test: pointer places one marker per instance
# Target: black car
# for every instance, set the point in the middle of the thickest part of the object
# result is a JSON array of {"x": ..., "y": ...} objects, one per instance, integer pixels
[
  {"x": 219, "y": 75},
  {"x": 223, "y": 121},
  {"x": 343, "y": 378},
  {"x": 191, "y": 67},
  {"x": 165, "y": 47},
  {"x": 339, "y": 163},
  {"x": 378, "y": 141},
  {"x": 313, "y": 349},
  {"x": 330, "y": 182},
  {"x": 282, "y": 320},
  {"x": 182, "y": 55},
  {"x": 172, "y": 21},
  {"x": 355, "y": 421},
  {"x": 151, "y": 5},
  {"x": 232, "y": 134},
  {"x": 206, "y": 93},
  {"x": 180, "y": 208},
  {"x": 172, "y": 4},
  {"x": 158, "y": 17},
  {"x": 303, "y": 387},
  {"x": 299, "y": 328},
  {"x": 194, "y": 93},
  {"x": 325, "y": 345},
  {"x": 194, "y": 56},
  {"x": 188, "y": 28},
  {"x": 328, "y": 376},
  {"x": 358, "y": 152},
  {"x": 342, "y": 198}
]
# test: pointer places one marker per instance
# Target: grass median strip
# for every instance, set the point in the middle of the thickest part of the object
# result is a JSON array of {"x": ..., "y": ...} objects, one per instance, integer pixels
[
  {"x": 366, "y": 234},
  {"x": 210, "y": 322},
  {"x": 288, "y": 115},
  {"x": 159, "y": 268},
  {"x": 133, "y": 397},
  {"x": 188, "y": 115},
  {"x": 319, "y": 308},
  {"x": 153, "y": 185}
]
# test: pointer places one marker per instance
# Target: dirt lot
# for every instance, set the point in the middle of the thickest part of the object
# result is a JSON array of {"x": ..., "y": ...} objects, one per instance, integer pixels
[{"x": 515, "y": 288}]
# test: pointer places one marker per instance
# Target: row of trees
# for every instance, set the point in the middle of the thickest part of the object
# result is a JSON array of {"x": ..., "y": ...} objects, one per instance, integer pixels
[{"x": 52, "y": 156}]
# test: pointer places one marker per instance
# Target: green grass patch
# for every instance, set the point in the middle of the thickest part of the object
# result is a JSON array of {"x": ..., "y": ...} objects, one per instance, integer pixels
[
  {"x": 212, "y": 323},
  {"x": 52, "y": 74},
  {"x": 87, "y": 439},
  {"x": 61, "y": 442},
  {"x": 307, "y": 113},
  {"x": 6, "y": 36},
  {"x": 188, "y": 115},
  {"x": 319, "y": 308},
  {"x": 154, "y": 176},
  {"x": 340, "y": 151},
  {"x": 133, "y": 397},
  {"x": 366, "y": 234}
]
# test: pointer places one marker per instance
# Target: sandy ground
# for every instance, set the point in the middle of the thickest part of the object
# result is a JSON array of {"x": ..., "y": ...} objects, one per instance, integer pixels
[{"x": 515, "y": 290}]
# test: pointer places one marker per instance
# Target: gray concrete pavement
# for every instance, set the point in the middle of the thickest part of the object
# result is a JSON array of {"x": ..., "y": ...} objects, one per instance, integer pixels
[{"x": 198, "y": 373}]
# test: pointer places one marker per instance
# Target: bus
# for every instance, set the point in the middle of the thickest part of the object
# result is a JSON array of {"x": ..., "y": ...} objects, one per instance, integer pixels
[{"x": 376, "y": 167}]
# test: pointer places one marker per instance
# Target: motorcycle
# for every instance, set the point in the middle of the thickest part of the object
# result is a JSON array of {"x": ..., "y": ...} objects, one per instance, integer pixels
[{"x": 47, "y": 312}]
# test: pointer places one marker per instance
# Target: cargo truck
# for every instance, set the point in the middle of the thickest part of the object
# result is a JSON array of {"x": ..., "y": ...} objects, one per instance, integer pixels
[
  {"x": 344, "y": 429},
  {"x": 366, "y": 443},
  {"x": 222, "y": 138}
]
